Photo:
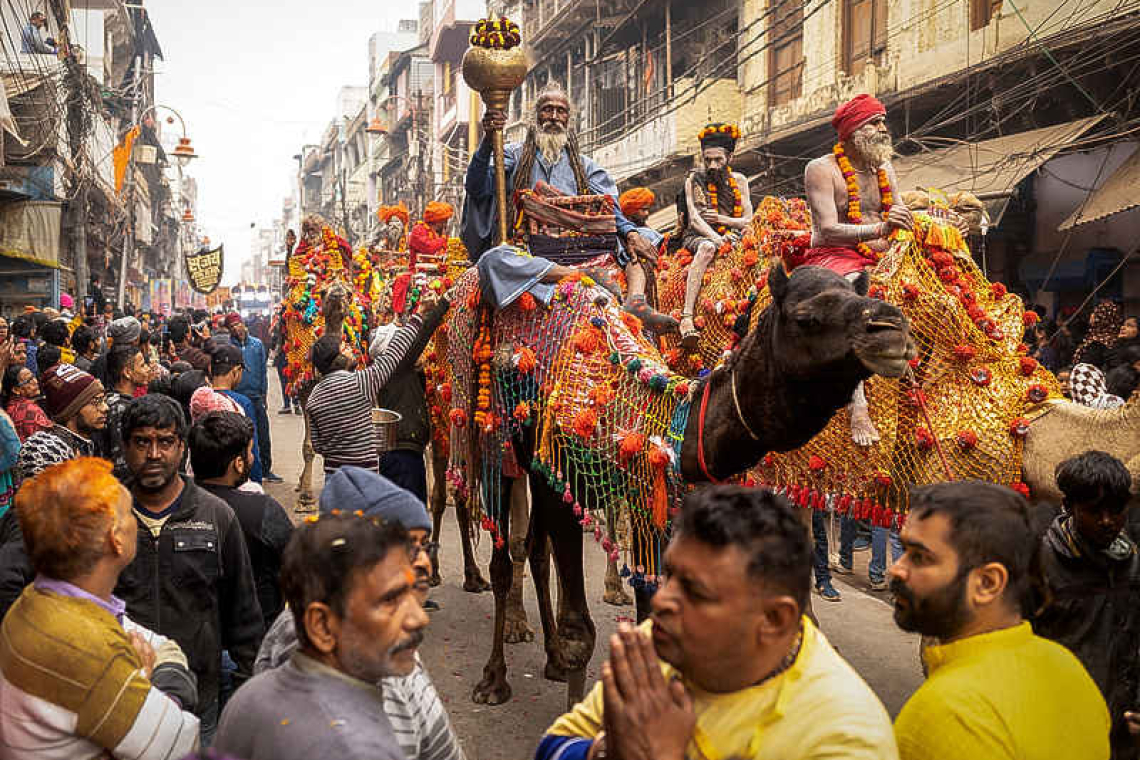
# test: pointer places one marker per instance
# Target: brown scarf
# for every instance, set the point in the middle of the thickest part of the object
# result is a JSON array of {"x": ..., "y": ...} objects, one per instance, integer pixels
[{"x": 1107, "y": 319}]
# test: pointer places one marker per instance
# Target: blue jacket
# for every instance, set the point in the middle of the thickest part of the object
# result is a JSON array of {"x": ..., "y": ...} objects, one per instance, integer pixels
[
  {"x": 255, "y": 379},
  {"x": 255, "y": 473}
]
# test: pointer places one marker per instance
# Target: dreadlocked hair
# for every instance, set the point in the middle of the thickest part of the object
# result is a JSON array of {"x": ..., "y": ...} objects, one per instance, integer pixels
[{"x": 525, "y": 167}]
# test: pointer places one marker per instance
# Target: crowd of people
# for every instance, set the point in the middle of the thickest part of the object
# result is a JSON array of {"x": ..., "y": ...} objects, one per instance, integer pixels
[
  {"x": 1096, "y": 358},
  {"x": 155, "y": 600}
]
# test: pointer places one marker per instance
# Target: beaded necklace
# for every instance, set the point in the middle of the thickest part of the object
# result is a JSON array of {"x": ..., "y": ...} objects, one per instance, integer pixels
[
  {"x": 737, "y": 199},
  {"x": 854, "y": 210}
]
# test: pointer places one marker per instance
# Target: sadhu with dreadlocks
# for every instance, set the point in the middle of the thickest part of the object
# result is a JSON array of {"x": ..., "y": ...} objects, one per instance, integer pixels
[{"x": 550, "y": 154}]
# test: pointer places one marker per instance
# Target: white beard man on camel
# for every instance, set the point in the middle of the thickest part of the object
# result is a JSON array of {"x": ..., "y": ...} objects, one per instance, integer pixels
[{"x": 851, "y": 192}]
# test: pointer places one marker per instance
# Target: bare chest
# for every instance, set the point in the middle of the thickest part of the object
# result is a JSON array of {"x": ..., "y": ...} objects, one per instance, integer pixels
[{"x": 870, "y": 197}]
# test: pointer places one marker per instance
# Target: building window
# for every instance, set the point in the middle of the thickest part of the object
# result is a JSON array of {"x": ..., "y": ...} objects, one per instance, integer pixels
[
  {"x": 864, "y": 33},
  {"x": 786, "y": 59},
  {"x": 982, "y": 12}
]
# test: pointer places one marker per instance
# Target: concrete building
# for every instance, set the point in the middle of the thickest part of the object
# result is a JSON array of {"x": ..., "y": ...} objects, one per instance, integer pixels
[
  {"x": 63, "y": 211},
  {"x": 457, "y": 108},
  {"x": 1030, "y": 106}
]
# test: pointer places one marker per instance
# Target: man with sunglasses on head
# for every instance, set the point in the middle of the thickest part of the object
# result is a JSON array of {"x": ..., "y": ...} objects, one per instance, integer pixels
[
  {"x": 409, "y": 700},
  {"x": 191, "y": 579}
]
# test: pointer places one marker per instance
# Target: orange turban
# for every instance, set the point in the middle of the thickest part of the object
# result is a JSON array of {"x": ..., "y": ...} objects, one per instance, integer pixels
[
  {"x": 636, "y": 199},
  {"x": 387, "y": 212},
  {"x": 438, "y": 211}
]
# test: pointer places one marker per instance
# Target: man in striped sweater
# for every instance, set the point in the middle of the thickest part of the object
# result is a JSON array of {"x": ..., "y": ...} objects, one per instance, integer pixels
[{"x": 340, "y": 406}]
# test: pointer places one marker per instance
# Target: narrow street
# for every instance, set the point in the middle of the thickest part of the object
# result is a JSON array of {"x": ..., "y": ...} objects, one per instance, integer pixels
[{"x": 459, "y": 639}]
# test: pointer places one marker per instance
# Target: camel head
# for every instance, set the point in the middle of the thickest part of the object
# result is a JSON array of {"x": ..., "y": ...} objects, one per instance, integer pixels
[
  {"x": 334, "y": 301},
  {"x": 822, "y": 321}
]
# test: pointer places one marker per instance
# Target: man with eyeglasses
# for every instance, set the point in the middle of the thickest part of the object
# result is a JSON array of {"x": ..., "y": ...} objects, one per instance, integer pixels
[
  {"x": 410, "y": 701},
  {"x": 191, "y": 579}
]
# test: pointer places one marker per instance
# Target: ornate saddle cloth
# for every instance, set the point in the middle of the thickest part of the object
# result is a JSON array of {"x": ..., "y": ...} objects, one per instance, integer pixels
[{"x": 567, "y": 229}]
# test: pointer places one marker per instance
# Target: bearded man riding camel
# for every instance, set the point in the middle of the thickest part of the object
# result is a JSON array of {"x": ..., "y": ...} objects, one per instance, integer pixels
[
  {"x": 719, "y": 208},
  {"x": 429, "y": 237},
  {"x": 851, "y": 192},
  {"x": 550, "y": 155}
]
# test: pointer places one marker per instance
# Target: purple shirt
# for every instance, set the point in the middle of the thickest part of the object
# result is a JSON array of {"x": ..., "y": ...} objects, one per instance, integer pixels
[{"x": 117, "y": 607}]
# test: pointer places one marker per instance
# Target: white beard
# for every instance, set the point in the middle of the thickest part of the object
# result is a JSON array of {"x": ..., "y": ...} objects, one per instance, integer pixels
[
  {"x": 875, "y": 150},
  {"x": 393, "y": 233},
  {"x": 551, "y": 145}
]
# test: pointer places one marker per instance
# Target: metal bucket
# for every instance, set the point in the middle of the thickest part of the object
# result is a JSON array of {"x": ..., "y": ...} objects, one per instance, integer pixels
[{"x": 385, "y": 422}]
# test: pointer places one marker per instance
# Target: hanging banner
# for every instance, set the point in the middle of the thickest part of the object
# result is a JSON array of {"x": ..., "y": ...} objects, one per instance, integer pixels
[{"x": 205, "y": 269}]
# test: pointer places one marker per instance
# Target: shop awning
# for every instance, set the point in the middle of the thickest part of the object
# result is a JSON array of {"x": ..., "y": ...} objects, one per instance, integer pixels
[
  {"x": 991, "y": 168},
  {"x": 1120, "y": 192},
  {"x": 31, "y": 231}
]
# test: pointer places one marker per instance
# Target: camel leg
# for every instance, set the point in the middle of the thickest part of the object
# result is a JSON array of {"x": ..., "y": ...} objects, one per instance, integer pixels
[
  {"x": 305, "y": 500},
  {"x": 539, "y": 544},
  {"x": 473, "y": 581},
  {"x": 518, "y": 629},
  {"x": 493, "y": 689},
  {"x": 615, "y": 590},
  {"x": 576, "y": 634}
]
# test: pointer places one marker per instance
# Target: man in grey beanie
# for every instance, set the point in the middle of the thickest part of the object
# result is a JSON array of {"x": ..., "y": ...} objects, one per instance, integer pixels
[
  {"x": 123, "y": 331},
  {"x": 411, "y": 703}
]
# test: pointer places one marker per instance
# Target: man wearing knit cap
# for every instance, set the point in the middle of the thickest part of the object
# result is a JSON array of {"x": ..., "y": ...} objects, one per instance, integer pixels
[
  {"x": 122, "y": 331},
  {"x": 77, "y": 405},
  {"x": 410, "y": 703},
  {"x": 720, "y": 209}
]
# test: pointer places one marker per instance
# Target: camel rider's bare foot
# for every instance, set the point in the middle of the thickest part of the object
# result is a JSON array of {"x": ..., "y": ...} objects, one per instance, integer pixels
[
  {"x": 654, "y": 320},
  {"x": 863, "y": 431},
  {"x": 690, "y": 335}
]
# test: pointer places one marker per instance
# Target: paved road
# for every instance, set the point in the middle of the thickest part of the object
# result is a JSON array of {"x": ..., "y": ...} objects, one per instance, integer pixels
[{"x": 458, "y": 640}]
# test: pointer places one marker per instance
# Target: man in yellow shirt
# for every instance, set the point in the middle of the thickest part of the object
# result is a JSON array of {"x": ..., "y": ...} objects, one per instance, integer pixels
[
  {"x": 744, "y": 674},
  {"x": 995, "y": 689}
]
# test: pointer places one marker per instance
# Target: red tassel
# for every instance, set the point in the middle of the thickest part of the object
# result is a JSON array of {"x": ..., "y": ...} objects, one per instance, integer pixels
[
  {"x": 660, "y": 498},
  {"x": 845, "y": 504}
]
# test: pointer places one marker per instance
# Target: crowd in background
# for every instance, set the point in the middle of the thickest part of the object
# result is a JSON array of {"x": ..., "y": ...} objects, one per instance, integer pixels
[{"x": 1095, "y": 357}]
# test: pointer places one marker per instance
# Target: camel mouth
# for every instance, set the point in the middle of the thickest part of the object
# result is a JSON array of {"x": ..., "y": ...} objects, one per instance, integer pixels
[{"x": 890, "y": 352}]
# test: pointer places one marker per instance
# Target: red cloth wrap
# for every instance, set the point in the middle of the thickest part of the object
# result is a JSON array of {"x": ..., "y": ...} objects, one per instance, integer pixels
[
  {"x": 400, "y": 291},
  {"x": 855, "y": 113},
  {"x": 843, "y": 261}
]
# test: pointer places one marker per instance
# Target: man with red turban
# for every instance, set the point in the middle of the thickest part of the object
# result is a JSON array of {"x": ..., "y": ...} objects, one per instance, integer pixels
[
  {"x": 851, "y": 192},
  {"x": 393, "y": 233},
  {"x": 428, "y": 236}
]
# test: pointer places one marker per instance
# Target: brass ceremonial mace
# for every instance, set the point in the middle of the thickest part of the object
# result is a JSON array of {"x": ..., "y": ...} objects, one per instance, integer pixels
[{"x": 494, "y": 66}]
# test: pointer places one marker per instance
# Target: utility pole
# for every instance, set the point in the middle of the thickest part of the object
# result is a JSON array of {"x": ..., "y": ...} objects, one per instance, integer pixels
[
  {"x": 77, "y": 121},
  {"x": 129, "y": 241}
]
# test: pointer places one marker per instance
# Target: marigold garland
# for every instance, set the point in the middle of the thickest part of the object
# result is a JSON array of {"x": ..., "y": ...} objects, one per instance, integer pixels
[
  {"x": 737, "y": 199},
  {"x": 854, "y": 207}
]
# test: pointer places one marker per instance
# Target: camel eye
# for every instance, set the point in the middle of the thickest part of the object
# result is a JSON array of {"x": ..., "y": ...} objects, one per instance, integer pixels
[{"x": 806, "y": 321}]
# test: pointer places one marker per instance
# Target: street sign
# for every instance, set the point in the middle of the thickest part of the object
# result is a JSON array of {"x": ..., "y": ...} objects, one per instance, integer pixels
[{"x": 205, "y": 269}]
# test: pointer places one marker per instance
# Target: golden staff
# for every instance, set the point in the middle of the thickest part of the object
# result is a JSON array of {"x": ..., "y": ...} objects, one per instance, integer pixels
[{"x": 494, "y": 66}]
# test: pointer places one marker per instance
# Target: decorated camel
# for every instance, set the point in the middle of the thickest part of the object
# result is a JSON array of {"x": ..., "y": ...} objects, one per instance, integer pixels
[
  {"x": 576, "y": 398},
  {"x": 961, "y": 409}
]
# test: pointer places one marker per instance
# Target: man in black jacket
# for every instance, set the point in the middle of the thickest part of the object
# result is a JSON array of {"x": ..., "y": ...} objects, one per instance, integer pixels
[
  {"x": 1092, "y": 572},
  {"x": 221, "y": 453},
  {"x": 405, "y": 393},
  {"x": 191, "y": 579}
]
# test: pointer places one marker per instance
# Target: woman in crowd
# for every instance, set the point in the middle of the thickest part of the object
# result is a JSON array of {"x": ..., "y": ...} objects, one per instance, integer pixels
[
  {"x": 1104, "y": 328},
  {"x": 20, "y": 390}
]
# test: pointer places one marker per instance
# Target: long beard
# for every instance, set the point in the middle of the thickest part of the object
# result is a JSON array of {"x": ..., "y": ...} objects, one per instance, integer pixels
[
  {"x": 551, "y": 144},
  {"x": 875, "y": 150},
  {"x": 393, "y": 233}
]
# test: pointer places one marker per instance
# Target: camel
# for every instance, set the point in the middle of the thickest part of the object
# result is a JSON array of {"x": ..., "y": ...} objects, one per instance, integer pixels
[
  {"x": 817, "y": 340},
  {"x": 1061, "y": 429}
]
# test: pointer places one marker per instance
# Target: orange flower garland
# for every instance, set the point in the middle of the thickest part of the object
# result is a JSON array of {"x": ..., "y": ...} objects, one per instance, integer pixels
[
  {"x": 854, "y": 209},
  {"x": 737, "y": 199},
  {"x": 482, "y": 355}
]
